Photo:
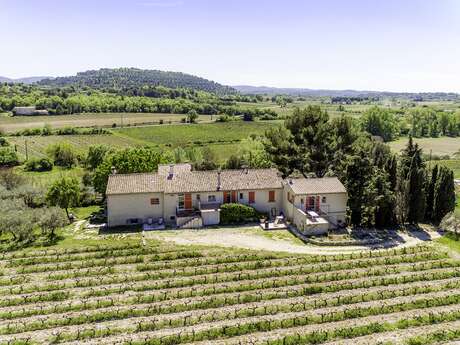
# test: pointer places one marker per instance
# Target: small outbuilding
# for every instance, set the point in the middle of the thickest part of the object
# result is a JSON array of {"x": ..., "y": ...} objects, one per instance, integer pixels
[{"x": 28, "y": 111}]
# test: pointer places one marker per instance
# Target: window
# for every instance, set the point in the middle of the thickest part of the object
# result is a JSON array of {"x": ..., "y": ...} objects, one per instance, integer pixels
[
  {"x": 241, "y": 196},
  {"x": 271, "y": 196},
  {"x": 181, "y": 202},
  {"x": 198, "y": 197},
  {"x": 323, "y": 200},
  {"x": 154, "y": 201},
  {"x": 252, "y": 197},
  {"x": 211, "y": 198}
]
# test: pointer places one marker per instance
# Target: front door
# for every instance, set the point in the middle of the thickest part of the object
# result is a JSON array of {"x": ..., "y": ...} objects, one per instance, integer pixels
[
  {"x": 188, "y": 201},
  {"x": 234, "y": 196}
]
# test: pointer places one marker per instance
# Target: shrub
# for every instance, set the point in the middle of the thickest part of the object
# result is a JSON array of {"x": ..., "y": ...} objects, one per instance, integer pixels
[
  {"x": 237, "y": 214},
  {"x": 3, "y": 142},
  {"x": 63, "y": 155},
  {"x": 41, "y": 164},
  {"x": 8, "y": 157}
]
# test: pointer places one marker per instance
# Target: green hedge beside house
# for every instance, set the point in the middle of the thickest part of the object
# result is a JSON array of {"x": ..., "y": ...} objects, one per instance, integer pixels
[{"x": 237, "y": 214}]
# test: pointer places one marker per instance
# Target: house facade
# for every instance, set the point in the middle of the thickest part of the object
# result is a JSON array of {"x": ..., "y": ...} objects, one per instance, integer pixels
[{"x": 181, "y": 197}]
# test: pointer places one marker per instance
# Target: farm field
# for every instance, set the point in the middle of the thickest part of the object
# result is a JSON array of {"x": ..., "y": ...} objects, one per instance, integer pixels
[
  {"x": 15, "y": 123},
  {"x": 440, "y": 146},
  {"x": 197, "y": 134},
  {"x": 222, "y": 138},
  {"x": 36, "y": 145},
  {"x": 167, "y": 294}
]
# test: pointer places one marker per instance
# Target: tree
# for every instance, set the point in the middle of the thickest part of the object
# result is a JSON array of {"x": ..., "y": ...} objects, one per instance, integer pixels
[
  {"x": 209, "y": 160},
  {"x": 63, "y": 154},
  {"x": 417, "y": 198},
  {"x": 65, "y": 193},
  {"x": 38, "y": 164},
  {"x": 192, "y": 116},
  {"x": 444, "y": 194},
  {"x": 50, "y": 220},
  {"x": 303, "y": 143},
  {"x": 411, "y": 185},
  {"x": 380, "y": 122},
  {"x": 8, "y": 157},
  {"x": 96, "y": 155},
  {"x": 431, "y": 185},
  {"x": 234, "y": 162},
  {"x": 129, "y": 160}
]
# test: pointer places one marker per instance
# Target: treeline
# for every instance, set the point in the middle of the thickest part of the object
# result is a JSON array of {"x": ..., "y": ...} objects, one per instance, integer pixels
[
  {"x": 62, "y": 102},
  {"x": 119, "y": 78},
  {"x": 351, "y": 100},
  {"x": 419, "y": 122},
  {"x": 383, "y": 189}
]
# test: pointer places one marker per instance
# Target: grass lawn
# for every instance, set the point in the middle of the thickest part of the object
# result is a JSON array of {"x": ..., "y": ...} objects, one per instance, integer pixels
[
  {"x": 450, "y": 241},
  {"x": 84, "y": 212},
  {"x": 440, "y": 146},
  {"x": 44, "y": 179}
]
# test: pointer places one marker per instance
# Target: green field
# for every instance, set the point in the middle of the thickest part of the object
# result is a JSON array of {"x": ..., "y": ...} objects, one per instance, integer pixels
[
  {"x": 181, "y": 135},
  {"x": 36, "y": 145},
  {"x": 222, "y": 138},
  {"x": 439, "y": 146},
  {"x": 15, "y": 123}
]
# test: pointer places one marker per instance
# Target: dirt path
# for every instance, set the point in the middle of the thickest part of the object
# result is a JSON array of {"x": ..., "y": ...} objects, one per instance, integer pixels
[{"x": 240, "y": 238}]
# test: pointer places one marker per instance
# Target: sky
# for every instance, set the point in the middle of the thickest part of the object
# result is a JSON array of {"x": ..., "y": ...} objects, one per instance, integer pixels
[{"x": 392, "y": 45}]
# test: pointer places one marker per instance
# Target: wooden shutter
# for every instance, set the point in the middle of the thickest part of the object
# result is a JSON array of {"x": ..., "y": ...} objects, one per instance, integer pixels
[
  {"x": 252, "y": 197},
  {"x": 226, "y": 197},
  {"x": 317, "y": 203},
  {"x": 188, "y": 201},
  {"x": 271, "y": 196},
  {"x": 234, "y": 196}
]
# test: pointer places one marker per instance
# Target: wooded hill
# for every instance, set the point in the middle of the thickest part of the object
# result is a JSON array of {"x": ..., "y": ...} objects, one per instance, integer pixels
[{"x": 125, "y": 78}]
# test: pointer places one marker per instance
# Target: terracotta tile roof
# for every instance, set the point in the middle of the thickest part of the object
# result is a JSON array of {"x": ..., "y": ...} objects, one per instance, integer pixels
[
  {"x": 207, "y": 181},
  {"x": 163, "y": 169},
  {"x": 134, "y": 183},
  {"x": 324, "y": 185},
  {"x": 184, "y": 181}
]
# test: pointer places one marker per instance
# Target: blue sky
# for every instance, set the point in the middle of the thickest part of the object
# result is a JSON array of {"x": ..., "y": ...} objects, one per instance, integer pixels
[{"x": 398, "y": 45}]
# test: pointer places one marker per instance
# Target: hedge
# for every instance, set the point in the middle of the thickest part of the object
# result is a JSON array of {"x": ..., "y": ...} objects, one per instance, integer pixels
[{"x": 237, "y": 214}]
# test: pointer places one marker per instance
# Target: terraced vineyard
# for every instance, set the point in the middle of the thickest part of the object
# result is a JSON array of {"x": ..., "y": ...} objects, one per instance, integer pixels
[{"x": 163, "y": 294}]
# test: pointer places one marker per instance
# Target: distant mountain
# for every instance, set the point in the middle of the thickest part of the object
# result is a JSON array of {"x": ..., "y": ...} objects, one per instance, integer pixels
[
  {"x": 125, "y": 78},
  {"x": 26, "y": 80},
  {"x": 266, "y": 90}
]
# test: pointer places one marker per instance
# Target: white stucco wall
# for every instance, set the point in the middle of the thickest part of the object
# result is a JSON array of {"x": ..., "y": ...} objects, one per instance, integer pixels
[
  {"x": 122, "y": 207},
  {"x": 335, "y": 205}
]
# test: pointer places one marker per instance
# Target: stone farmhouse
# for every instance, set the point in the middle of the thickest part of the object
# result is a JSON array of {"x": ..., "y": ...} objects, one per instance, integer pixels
[{"x": 180, "y": 197}]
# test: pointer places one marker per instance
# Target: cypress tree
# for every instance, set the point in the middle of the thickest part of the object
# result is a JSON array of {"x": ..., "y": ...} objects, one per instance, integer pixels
[
  {"x": 416, "y": 192},
  {"x": 444, "y": 194},
  {"x": 430, "y": 193}
]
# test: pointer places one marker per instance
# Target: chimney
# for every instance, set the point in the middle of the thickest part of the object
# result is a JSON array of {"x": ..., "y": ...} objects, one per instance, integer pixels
[
  {"x": 245, "y": 169},
  {"x": 171, "y": 171},
  {"x": 114, "y": 170},
  {"x": 218, "y": 180}
]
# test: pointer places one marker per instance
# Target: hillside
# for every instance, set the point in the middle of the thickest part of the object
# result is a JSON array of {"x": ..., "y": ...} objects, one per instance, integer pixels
[
  {"x": 26, "y": 80},
  {"x": 267, "y": 90},
  {"x": 136, "y": 78}
]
